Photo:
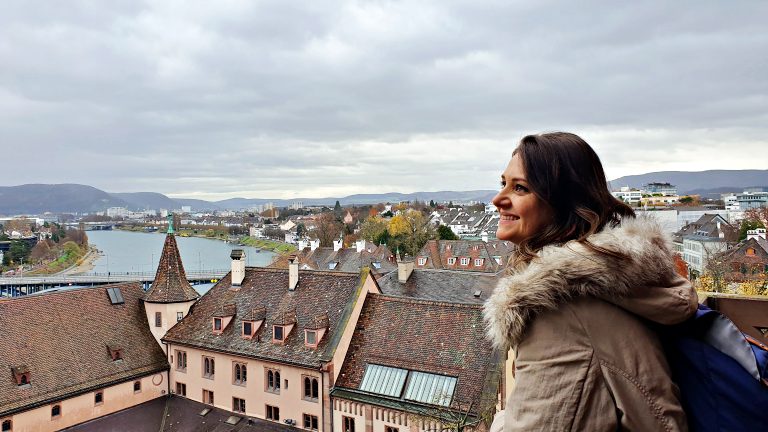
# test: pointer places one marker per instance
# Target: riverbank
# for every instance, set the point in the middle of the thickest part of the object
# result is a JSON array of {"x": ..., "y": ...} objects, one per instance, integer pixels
[
  {"x": 85, "y": 264},
  {"x": 272, "y": 245},
  {"x": 73, "y": 261}
]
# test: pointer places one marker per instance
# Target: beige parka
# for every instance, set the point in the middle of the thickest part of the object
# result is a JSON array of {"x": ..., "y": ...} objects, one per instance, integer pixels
[{"x": 585, "y": 358}]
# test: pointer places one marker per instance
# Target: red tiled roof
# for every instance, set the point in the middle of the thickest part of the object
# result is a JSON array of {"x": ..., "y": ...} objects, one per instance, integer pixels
[
  {"x": 317, "y": 293},
  {"x": 63, "y": 337},
  {"x": 438, "y": 252},
  {"x": 170, "y": 284},
  {"x": 427, "y": 336}
]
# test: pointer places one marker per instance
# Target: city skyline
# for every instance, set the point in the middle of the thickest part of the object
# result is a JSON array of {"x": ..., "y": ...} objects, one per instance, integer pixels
[{"x": 237, "y": 99}]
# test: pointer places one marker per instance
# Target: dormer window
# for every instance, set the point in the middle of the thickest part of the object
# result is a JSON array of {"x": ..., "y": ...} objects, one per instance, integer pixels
[
  {"x": 310, "y": 336},
  {"x": 278, "y": 332},
  {"x": 376, "y": 265},
  {"x": 465, "y": 261},
  {"x": 451, "y": 261},
  {"x": 479, "y": 262},
  {"x": 750, "y": 251},
  {"x": 422, "y": 261},
  {"x": 21, "y": 375},
  {"x": 115, "y": 352},
  {"x": 217, "y": 325},
  {"x": 332, "y": 265},
  {"x": 248, "y": 329}
]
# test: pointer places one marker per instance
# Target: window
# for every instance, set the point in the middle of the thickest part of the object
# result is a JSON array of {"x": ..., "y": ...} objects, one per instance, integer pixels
[
  {"x": 217, "y": 324},
  {"x": 310, "y": 422},
  {"x": 311, "y": 337},
  {"x": 278, "y": 332},
  {"x": 348, "y": 424},
  {"x": 247, "y": 328},
  {"x": 422, "y": 261},
  {"x": 273, "y": 381},
  {"x": 179, "y": 316},
  {"x": 137, "y": 386},
  {"x": 311, "y": 388},
  {"x": 238, "y": 405},
  {"x": 750, "y": 251},
  {"x": 451, "y": 261},
  {"x": 56, "y": 411},
  {"x": 208, "y": 397},
  {"x": 181, "y": 360},
  {"x": 478, "y": 262},
  {"x": 98, "y": 398},
  {"x": 241, "y": 374},
  {"x": 391, "y": 429},
  {"x": 23, "y": 380},
  {"x": 465, "y": 261},
  {"x": 181, "y": 389},
  {"x": 158, "y": 319},
  {"x": 7, "y": 426},
  {"x": 209, "y": 367},
  {"x": 273, "y": 413}
]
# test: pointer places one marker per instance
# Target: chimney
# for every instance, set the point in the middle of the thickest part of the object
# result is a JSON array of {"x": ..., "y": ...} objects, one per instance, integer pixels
[
  {"x": 302, "y": 244},
  {"x": 360, "y": 245},
  {"x": 404, "y": 269},
  {"x": 314, "y": 244},
  {"x": 337, "y": 244},
  {"x": 238, "y": 266},
  {"x": 484, "y": 237},
  {"x": 756, "y": 234},
  {"x": 293, "y": 272}
]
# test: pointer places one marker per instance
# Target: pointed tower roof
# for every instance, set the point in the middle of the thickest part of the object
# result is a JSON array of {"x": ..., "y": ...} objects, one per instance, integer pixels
[{"x": 170, "y": 284}]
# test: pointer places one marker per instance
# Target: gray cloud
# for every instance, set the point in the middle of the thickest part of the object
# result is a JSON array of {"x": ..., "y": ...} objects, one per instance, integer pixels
[{"x": 284, "y": 99}]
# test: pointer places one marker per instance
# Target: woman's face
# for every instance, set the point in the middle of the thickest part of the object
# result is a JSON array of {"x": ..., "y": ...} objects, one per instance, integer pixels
[{"x": 523, "y": 214}]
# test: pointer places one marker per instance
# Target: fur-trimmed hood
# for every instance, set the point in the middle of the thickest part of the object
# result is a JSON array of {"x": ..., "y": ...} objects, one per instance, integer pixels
[{"x": 646, "y": 285}]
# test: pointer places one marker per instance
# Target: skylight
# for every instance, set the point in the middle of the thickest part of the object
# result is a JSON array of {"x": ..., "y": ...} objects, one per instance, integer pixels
[
  {"x": 115, "y": 296},
  {"x": 383, "y": 380},
  {"x": 430, "y": 388}
]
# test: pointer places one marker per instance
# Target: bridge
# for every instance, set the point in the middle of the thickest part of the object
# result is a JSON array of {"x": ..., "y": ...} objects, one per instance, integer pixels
[{"x": 12, "y": 286}]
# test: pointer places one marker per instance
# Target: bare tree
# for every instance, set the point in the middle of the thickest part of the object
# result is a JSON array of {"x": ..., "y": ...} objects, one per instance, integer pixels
[{"x": 327, "y": 229}]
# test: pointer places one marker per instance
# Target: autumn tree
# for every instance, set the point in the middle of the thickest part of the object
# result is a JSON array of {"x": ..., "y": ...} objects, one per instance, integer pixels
[
  {"x": 327, "y": 229},
  {"x": 373, "y": 229},
  {"x": 409, "y": 231}
]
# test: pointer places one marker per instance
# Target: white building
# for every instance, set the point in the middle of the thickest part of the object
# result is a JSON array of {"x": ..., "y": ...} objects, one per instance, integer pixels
[
  {"x": 750, "y": 199},
  {"x": 117, "y": 212},
  {"x": 730, "y": 201},
  {"x": 186, "y": 209},
  {"x": 628, "y": 195}
]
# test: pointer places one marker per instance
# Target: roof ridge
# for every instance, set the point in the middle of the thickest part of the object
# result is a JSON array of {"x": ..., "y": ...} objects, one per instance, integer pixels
[{"x": 387, "y": 297}]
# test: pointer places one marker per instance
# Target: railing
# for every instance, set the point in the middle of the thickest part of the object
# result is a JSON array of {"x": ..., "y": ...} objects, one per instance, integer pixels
[{"x": 104, "y": 277}]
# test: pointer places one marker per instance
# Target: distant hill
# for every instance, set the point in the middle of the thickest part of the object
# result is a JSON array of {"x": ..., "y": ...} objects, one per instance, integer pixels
[
  {"x": 698, "y": 181},
  {"x": 146, "y": 200},
  {"x": 362, "y": 199},
  {"x": 58, "y": 198}
]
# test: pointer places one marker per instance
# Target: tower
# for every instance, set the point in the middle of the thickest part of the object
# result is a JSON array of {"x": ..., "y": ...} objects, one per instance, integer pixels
[{"x": 169, "y": 298}]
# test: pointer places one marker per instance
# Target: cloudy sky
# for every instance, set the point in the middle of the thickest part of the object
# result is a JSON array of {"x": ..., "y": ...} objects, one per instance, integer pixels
[{"x": 283, "y": 99}]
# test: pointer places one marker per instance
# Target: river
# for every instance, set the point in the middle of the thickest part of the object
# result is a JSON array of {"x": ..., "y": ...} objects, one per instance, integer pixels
[{"x": 125, "y": 251}]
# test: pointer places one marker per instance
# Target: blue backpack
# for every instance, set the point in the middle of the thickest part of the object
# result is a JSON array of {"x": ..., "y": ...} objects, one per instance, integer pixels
[{"x": 720, "y": 371}]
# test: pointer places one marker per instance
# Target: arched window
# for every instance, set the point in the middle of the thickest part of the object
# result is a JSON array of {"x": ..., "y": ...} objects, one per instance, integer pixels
[
  {"x": 270, "y": 379},
  {"x": 243, "y": 372},
  {"x": 307, "y": 387},
  {"x": 315, "y": 388},
  {"x": 237, "y": 372},
  {"x": 277, "y": 380},
  {"x": 7, "y": 426},
  {"x": 24, "y": 380},
  {"x": 136, "y": 386},
  {"x": 311, "y": 388},
  {"x": 56, "y": 411}
]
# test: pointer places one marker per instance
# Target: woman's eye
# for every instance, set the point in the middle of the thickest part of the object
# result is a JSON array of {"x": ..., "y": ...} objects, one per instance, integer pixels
[
  {"x": 520, "y": 188},
  {"x": 502, "y": 184}
]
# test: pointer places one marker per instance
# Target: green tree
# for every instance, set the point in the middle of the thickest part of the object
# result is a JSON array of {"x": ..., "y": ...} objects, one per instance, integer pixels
[
  {"x": 373, "y": 229},
  {"x": 445, "y": 233},
  {"x": 432, "y": 203},
  {"x": 748, "y": 224},
  {"x": 301, "y": 230},
  {"x": 686, "y": 200},
  {"x": 409, "y": 231}
]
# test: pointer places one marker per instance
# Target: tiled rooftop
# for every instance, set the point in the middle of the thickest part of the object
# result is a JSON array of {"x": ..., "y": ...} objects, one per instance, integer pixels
[
  {"x": 181, "y": 415},
  {"x": 426, "y": 336},
  {"x": 442, "y": 285},
  {"x": 62, "y": 338},
  {"x": 447, "y": 254},
  {"x": 170, "y": 284},
  {"x": 317, "y": 293},
  {"x": 344, "y": 260}
]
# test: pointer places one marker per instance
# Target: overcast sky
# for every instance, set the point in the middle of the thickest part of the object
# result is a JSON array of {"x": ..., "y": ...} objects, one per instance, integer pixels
[{"x": 283, "y": 99}]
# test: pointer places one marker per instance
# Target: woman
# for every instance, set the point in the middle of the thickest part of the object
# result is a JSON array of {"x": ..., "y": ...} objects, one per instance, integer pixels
[{"x": 587, "y": 277}]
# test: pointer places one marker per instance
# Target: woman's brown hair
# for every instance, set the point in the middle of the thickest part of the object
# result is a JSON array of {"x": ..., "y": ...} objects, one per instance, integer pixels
[{"x": 565, "y": 173}]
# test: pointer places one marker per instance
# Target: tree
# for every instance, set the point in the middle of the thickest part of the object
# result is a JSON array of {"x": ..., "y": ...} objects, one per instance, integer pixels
[
  {"x": 373, "y": 229},
  {"x": 337, "y": 211},
  {"x": 301, "y": 230},
  {"x": 327, "y": 229},
  {"x": 409, "y": 231},
  {"x": 758, "y": 214},
  {"x": 749, "y": 224},
  {"x": 445, "y": 233},
  {"x": 686, "y": 200},
  {"x": 432, "y": 203}
]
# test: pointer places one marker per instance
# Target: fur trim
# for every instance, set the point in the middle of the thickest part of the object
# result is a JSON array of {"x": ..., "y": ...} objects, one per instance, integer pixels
[{"x": 561, "y": 273}]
